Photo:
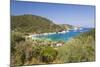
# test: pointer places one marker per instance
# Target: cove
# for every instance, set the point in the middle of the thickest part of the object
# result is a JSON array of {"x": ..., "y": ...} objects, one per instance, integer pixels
[{"x": 63, "y": 36}]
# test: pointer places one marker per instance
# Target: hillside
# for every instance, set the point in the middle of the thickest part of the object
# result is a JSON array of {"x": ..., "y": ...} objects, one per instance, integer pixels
[
  {"x": 79, "y": 49},
  {"x": 33, "y": 24},
  {"x": 67, "y": 26}
]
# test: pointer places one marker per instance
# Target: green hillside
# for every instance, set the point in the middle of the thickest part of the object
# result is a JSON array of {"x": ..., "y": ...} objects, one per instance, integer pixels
[
  {"x": 67, "y": 26},
  {"x": 79, "y": 49},
  {"x": 33, "y": 24}
]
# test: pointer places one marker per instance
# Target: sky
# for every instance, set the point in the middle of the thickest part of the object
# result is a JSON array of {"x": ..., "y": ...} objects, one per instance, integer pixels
[{"x": 77, "y": 15}]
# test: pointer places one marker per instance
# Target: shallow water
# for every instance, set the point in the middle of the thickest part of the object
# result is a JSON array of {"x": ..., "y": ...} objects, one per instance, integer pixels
[{"x": 63, "y": 36}]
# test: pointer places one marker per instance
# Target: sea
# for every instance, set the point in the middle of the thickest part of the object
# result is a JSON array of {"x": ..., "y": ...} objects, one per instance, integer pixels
[{"x": 65, "y": 36}]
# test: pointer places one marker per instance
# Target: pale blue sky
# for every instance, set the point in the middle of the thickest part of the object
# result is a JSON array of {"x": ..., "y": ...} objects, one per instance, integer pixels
[{"x": 78, "y": 15}]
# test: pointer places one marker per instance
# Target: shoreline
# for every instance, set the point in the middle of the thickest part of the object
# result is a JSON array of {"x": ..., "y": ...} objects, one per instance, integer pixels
[
  {"x": 34, "y": 35},
  {"x": 62, "y": 32}
]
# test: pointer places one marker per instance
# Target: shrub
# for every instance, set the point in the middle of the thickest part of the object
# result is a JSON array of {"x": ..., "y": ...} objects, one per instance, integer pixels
[
  {"x": 44, "y": 53},
  {"x": 16, "y": 37},
  {"x": 22, "y": 53},
  {"x": 49, "y": 54}
]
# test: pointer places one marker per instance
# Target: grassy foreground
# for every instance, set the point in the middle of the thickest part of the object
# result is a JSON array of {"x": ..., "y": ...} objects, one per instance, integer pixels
[{"x": 28, "y": 52}]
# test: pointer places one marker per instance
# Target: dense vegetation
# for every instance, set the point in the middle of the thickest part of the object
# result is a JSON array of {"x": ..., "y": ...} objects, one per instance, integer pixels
[
  {"x": 29, "y": 52},
  {"x": 79, "y": 49},
  {"x": 25, "y": 51},
  {"x": 33, "y": 24},
  {"x": 67, "y": 26}
]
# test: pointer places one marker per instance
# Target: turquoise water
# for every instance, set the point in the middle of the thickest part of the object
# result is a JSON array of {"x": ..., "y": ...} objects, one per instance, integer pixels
[{"x": 63, "y": 36}]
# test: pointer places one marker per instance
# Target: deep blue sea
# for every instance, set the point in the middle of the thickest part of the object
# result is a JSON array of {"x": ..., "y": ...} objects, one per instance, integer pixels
[{"x": 64, "y": 36}]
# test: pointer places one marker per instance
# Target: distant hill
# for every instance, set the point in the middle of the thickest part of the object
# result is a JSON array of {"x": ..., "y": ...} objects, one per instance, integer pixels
[
  {"x": 34, "y": 24},
  {"x": 67, "y": 26}
]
